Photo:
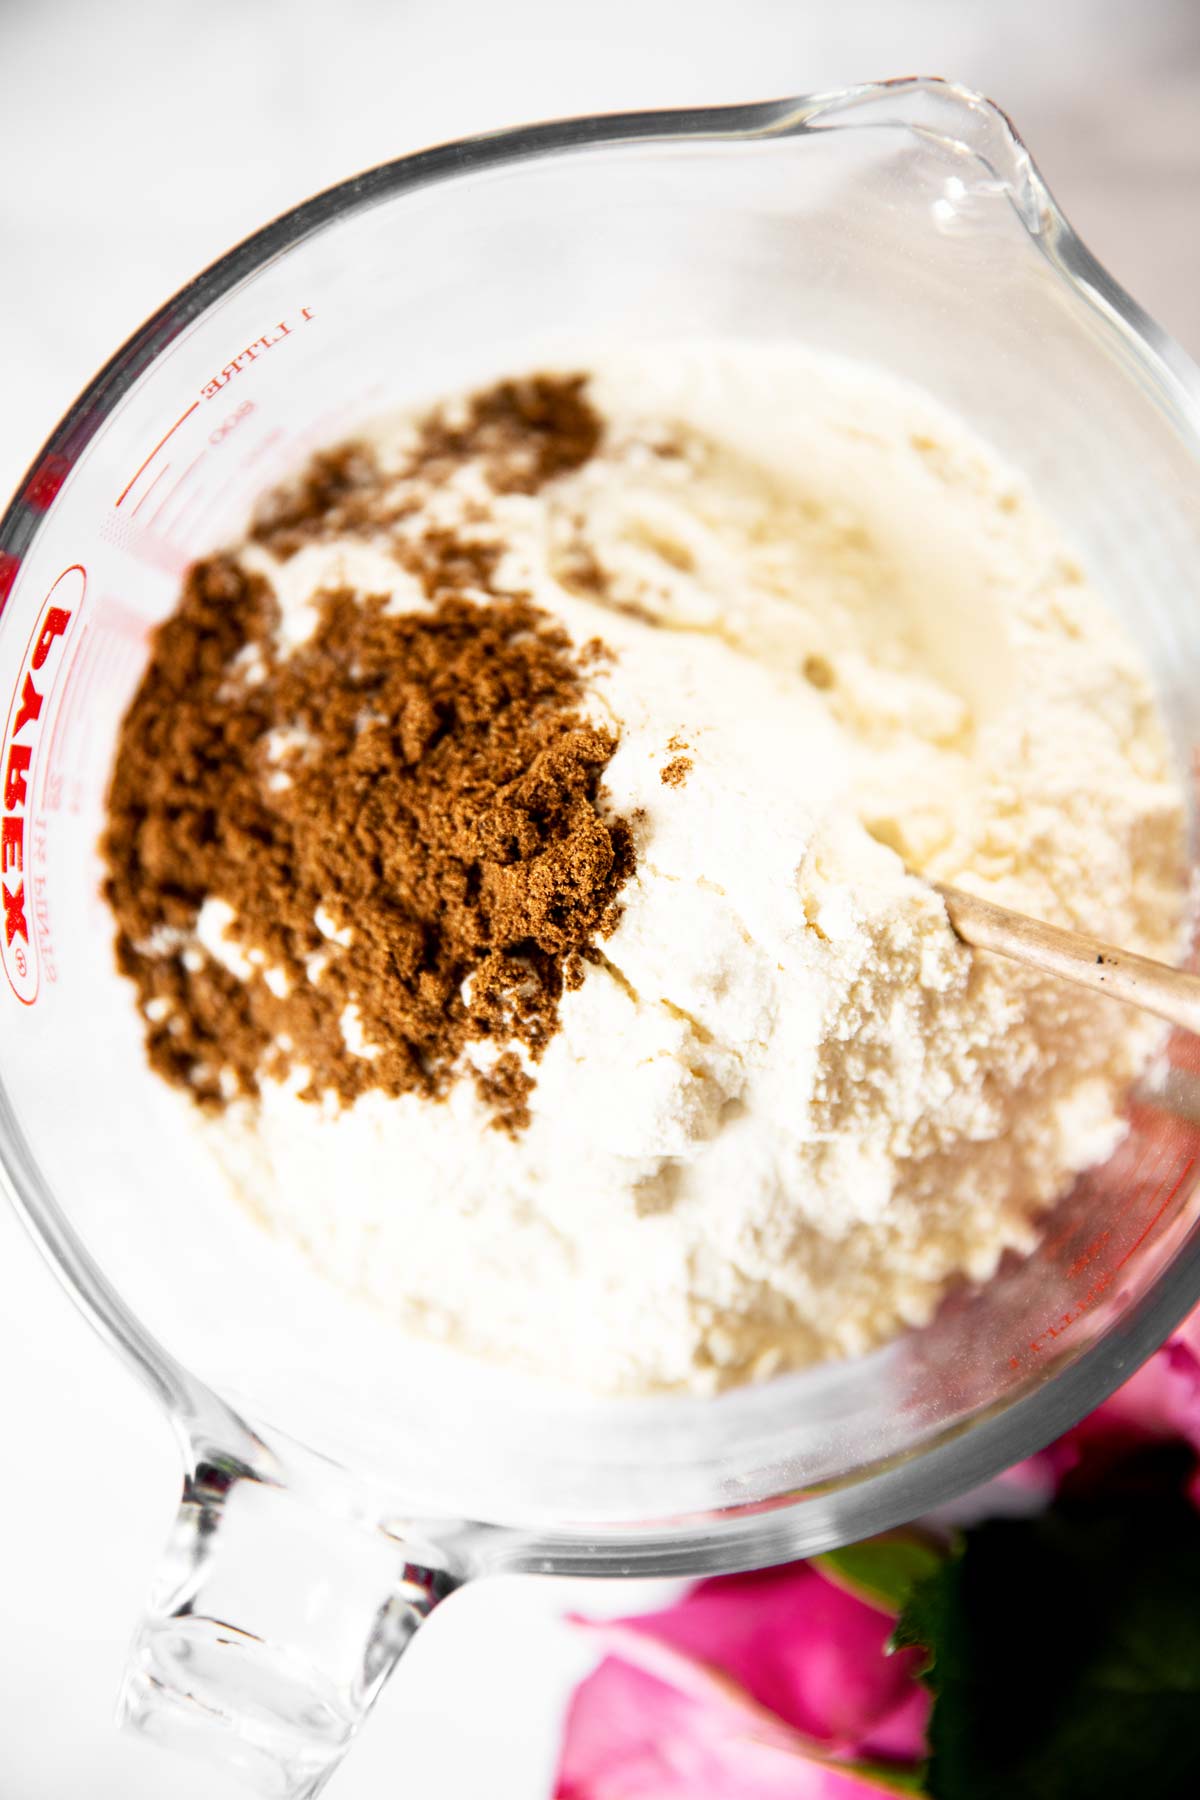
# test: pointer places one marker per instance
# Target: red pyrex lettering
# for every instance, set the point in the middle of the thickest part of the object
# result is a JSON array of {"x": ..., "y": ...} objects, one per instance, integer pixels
[{"x": 39, "y": 670}]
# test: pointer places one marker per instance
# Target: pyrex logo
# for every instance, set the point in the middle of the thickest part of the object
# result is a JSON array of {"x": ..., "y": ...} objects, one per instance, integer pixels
[{"x": 35, "y": 678}]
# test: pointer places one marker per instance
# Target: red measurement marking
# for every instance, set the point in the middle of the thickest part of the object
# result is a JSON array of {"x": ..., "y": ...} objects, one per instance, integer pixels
[
  {"x": 144, "y": 546},
  {"x": 70, "y": 756},
  {"x": 9, "y": 565},
  {"x": 1147, "y": 1229},
  {"x": 162, "y": 440},
  {"x": 267, "y": 444},
  {"x": 1088, "y": 1255},
  {"x": 137, "y": 509},
  {"x": 212, "y": 501},
  {"x": 70, "y": 681},
  {"x": 185, "y": 512},
  {"x": 171, "y": 493},
  {"x": 222, "y": 431},
  {"x": 129, "y": 623},
  {"x": 1105, "y": 1280},
  {"x": 44, "y": 483}
]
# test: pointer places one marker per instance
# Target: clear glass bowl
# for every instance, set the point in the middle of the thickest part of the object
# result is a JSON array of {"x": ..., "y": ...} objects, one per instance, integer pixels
[{"x": 338, "y": 1478}]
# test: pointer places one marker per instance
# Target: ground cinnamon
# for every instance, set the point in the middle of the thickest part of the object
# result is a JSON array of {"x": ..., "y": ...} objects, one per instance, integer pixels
[{"x": 405, "y": 814}]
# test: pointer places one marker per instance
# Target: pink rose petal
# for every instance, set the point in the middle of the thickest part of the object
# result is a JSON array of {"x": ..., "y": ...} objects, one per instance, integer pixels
[
  {"x": 808, "y": 1651},
  {"x": 752, "y": 1687},
  {"x": 631, "y": 1736}
]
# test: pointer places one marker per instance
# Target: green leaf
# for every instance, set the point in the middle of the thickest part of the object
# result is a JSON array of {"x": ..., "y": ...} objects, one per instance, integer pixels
[
  {"x": 887, "y": 1778},
  {"x": 882, "y": 1570},
  {"x": 1064, "y": 1655}
]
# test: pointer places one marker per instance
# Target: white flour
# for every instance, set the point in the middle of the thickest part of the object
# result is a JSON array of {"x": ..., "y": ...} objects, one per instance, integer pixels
[{"x": 790, "y": 1107}]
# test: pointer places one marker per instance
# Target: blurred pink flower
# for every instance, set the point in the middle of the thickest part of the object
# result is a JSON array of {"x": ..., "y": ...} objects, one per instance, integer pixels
[
  {"x": 757, "y": 1686},
  {"x": 777, "y": 1686}
]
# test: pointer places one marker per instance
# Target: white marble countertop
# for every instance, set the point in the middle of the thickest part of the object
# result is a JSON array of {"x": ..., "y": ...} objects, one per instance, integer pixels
[{"x": 137, "y": 143}]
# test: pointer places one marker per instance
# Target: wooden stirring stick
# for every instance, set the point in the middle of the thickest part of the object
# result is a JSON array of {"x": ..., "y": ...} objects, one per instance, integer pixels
[{"x": 1171, "y": 994}]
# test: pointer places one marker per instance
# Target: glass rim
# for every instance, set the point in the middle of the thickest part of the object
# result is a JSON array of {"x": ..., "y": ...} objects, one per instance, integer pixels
[{"x": 875, "y": 1497}]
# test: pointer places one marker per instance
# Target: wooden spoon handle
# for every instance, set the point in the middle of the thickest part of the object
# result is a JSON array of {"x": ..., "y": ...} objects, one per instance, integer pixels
[{"x": 1171, "y": 994}]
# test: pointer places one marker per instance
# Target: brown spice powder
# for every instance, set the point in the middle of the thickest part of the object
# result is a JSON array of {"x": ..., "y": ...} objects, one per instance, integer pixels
[
  {"x": 435, "y": 792},
  {"x": 336, "y": 495},
  {"x": 524, "y": 433},
  {"x": 676, "y": 772}
]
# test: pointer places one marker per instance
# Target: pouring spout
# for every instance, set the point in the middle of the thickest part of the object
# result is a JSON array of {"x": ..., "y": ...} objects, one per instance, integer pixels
[{"x": 970, "y": 130}]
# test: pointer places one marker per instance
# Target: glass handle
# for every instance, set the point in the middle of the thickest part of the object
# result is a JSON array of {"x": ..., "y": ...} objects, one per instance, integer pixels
[{"x": 272, "y": 1626}]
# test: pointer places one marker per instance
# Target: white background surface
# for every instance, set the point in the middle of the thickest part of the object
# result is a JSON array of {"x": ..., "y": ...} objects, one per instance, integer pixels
[{"x": 136, "y": 143}]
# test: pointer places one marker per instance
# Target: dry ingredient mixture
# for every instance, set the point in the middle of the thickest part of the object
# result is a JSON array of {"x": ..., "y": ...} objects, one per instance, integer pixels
[
  {"x": 511, "y": 845},
  {"x": 429, "y": 776}
]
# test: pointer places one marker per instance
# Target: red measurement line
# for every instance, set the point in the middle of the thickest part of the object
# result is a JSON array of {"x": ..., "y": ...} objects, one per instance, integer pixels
[
  {"x": 175, "y": 487},
  {"x": 1107, "y": 1279},
  {"x": 215, "y": 499},
  {"x": 137, "y": 509},
  {"x": 56, "y": 733},
  {"x": 162, "y": 440},
  {"x": 72, "y": 752},
  {"x": 74, "y": 712},
  {"x": 268, "y": 443},
  {"x": 1147, "y": 1229},
  {"x": 188, "y": 508}
]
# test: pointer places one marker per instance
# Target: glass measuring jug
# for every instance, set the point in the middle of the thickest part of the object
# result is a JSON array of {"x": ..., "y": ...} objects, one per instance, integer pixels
[{"x": 340, "y": 1480}]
